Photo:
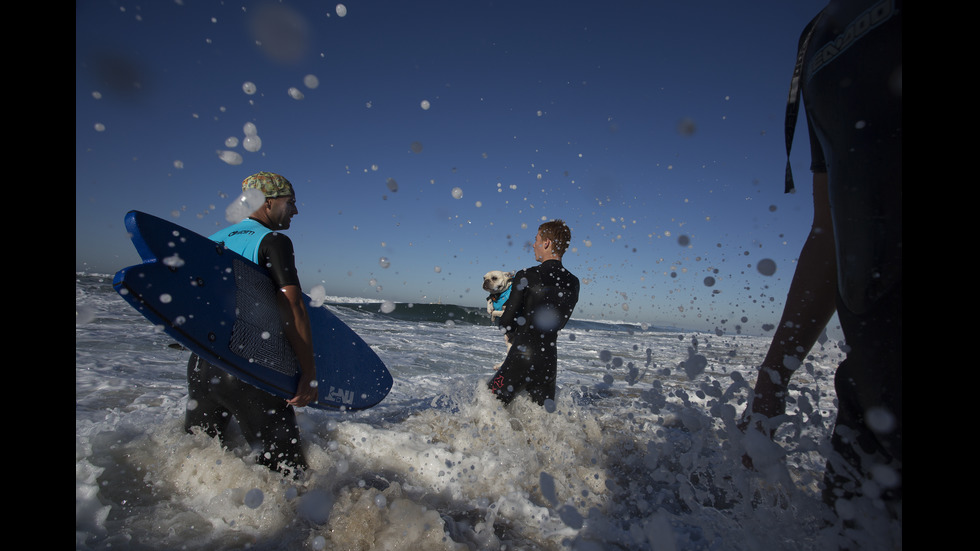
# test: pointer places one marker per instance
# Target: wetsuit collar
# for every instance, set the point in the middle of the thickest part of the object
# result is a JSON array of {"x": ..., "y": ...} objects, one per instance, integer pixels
[{"x": 263, "y": 224}]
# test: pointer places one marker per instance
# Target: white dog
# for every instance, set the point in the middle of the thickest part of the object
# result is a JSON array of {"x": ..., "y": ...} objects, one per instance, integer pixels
[{"x": 498, "y": 284}]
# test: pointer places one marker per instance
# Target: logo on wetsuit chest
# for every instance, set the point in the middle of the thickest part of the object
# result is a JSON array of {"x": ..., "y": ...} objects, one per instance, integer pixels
[{"x": 855, "y": 30}]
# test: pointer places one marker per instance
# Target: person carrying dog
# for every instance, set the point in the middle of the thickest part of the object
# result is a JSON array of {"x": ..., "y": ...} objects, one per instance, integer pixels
[{"x": 541, "y": 302}]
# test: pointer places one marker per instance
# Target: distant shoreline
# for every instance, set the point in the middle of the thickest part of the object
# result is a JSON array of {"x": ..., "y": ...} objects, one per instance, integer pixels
[{"x": 438, "y": 312}]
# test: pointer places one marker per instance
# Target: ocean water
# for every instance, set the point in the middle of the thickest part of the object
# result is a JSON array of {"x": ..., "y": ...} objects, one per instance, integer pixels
[{"x": 639, "y": 451}]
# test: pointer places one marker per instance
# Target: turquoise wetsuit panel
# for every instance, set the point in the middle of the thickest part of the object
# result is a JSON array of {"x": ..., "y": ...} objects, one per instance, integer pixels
[{"x": 244, "y": 238}]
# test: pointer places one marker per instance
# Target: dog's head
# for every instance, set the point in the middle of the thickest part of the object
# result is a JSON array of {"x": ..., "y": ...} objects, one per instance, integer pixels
[{"x": 496, "y": 282}]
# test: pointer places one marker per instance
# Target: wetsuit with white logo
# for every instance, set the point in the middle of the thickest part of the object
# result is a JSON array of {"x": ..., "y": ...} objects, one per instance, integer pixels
[
  {"x": 850, "y": 77},
  {"x": 267, "y": 422}
]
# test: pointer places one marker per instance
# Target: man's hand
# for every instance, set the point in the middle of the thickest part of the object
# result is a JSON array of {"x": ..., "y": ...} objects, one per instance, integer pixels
[{"x": 306, "y": 392}]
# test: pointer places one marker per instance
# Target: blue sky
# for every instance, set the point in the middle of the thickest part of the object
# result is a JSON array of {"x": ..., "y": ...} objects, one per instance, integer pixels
[{"x": 654, "y": 128}]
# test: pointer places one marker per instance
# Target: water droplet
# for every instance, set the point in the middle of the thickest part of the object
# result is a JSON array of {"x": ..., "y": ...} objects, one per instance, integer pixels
[
  {"x": 252, "y": 143},
  {"x": 686, "y": 127},
  {"x": 880, "y": 420},
  {"x": 766, "y": 266},
  {"x": 230, "y": 157},
  {"x": 244, "y": 205},
  {"x": 254, "y": 498}
]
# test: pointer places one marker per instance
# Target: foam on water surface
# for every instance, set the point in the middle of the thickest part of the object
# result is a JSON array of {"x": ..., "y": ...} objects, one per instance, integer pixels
[{"x": 639, "y": 450}]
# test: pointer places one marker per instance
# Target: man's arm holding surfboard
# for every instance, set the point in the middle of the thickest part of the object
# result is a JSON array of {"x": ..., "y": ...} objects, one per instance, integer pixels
[{"x": 300, "y": 336}]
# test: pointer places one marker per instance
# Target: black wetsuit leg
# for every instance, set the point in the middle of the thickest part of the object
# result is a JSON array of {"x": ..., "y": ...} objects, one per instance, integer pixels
[
  {"x": 203, "y": 410},
  {"x": 267, "y": 422},
  {"x": 868, "y": 431},
  {"x": 531, "y": 367}
]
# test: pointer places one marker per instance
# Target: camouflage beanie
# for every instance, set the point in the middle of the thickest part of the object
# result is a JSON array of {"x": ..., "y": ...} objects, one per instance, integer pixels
[{"x": 271, "y": 184}]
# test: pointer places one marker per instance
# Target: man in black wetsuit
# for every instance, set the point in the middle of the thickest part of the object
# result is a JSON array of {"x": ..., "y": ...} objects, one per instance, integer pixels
[
  {"x": 541, "y": 302},
  {"x": 267, "y": 422},
  {"x": 849, "y": 71}
]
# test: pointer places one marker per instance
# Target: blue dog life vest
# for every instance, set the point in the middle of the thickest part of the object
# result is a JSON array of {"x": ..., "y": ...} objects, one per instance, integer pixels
[{"x": 501, "y": 300}]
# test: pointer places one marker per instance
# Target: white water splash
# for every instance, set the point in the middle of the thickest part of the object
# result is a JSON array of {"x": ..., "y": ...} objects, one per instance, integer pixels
[{"x": 244, "y": 205}]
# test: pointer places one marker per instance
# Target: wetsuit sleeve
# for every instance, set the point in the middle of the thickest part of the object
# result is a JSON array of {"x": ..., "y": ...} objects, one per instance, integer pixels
[
  {"x": 569, "y": 299},
  {"x": 277, "y": 257}
]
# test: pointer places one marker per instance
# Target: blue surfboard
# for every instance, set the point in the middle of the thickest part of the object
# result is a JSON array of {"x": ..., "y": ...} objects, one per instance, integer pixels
[{"x": 222, "y": 307}]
